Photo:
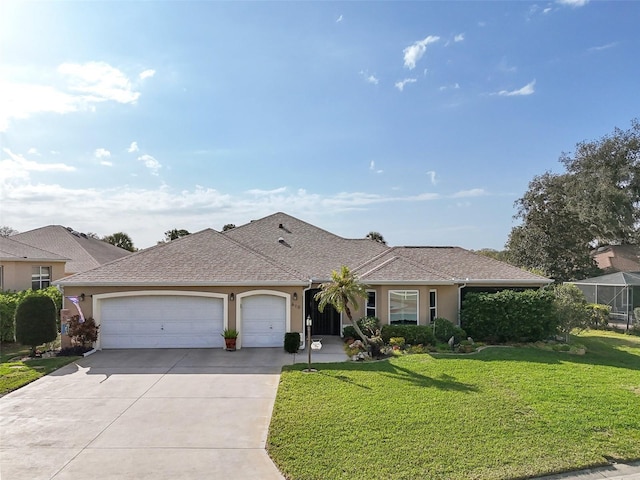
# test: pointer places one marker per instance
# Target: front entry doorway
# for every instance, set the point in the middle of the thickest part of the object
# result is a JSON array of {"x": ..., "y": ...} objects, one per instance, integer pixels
[{"x": 324, "y": 323}]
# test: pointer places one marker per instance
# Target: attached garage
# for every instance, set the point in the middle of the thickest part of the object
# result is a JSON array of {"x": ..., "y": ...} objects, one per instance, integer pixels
[
  {"x": 161, "y": 321},
  {"x": 263, "y": 320}
]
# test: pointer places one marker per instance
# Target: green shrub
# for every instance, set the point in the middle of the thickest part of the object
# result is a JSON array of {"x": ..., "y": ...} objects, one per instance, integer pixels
[
  {"x": 292, "y": 342},
  {"x": 36, "y": 321},
  {"x": 9, "y": 303},
  {"x": 444, "y": 330},
  {"x": 397, "y": 342},
  {"x": 413, "y": 334},
  {"x": 509, "y": 316},
  {"x": 599, "y": 315},
  {"x": 349, "y": 332}
]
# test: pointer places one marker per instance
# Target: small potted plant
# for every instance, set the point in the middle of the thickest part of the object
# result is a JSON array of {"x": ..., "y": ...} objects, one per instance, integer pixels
[{"x": 230, "y": 336}]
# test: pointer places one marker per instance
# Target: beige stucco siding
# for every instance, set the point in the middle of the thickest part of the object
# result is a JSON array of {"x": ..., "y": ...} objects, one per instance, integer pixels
[{"x": 17, "y": 275}]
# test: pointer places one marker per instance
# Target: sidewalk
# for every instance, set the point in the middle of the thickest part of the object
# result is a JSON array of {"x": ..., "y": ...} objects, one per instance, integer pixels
[{"x": 616, "y": 471}]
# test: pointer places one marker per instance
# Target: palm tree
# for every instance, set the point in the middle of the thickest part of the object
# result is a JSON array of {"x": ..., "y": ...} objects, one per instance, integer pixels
[
  {"x": 120, "y": 239},
  {"x": 341, "y": 292},
  {"x": 376, "y": 237}
]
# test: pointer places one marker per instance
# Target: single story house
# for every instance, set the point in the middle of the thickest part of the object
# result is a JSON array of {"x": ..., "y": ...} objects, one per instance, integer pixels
[
  {"x": 261, "y": 278},
  {"x": 617, "y": 258},
  {"x": 36, "y": 258}
]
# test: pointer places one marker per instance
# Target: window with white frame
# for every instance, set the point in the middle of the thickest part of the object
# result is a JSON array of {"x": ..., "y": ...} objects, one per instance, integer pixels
[
  {"x": 433, "y": 305},
  {"x": 403, "y": 307},
  {"x": 371, "y": 304},
  {"x": 40, "y": 277}
]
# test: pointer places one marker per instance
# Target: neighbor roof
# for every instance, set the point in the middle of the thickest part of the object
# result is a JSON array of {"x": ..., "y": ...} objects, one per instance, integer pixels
[
  {"x": 618, "y": 258},
  {"x": 83, "y": 252},
  {"x": 280, "y": 249},
  {"x": 12, "y": 250},
  {"x": 619, "y": 279}
]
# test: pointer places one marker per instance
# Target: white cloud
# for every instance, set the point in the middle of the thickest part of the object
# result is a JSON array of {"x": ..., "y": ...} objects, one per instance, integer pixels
[
  {"x": 573, "y": 3},
  {"x": 474, "y": 192},
  {"x": 133, "y": 147},
  {"x": 100, "y": 81},
  {"x": 372, "y": 79},
  {"x": 414, "y": 52},
  {"x": 454, "y": 86},
  {"x": 16, "y": 167},
  {"x": 33, "y": 151},
  {"x": 106, "y": 163},
  {"x": 603, "y": 47},
  {"x": 432, "y": 177},
  {"x": 372, "y": 167},
  {"x": 340, "y": 18},
  {"x": 78, "y": 87},
  {"x": 459, "y": 37},
  {"x": 528, "y": 89},
  {"x": 146, "y": 74},
  {"x": 151, "y": 163},
  {"x": 547, "y": 10},
  {"x": 400, "y": 84},
  {"x": 101, "y": 153}
]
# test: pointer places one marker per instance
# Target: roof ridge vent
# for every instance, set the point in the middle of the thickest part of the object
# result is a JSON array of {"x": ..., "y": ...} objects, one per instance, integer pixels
[{"x": 280, "y": 240}]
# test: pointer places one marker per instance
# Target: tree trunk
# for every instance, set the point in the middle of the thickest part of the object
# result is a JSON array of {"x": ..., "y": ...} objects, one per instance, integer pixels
[{"x": 356, "y": 327}]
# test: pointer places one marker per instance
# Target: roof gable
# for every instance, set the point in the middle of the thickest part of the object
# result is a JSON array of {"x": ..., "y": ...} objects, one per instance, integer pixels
[{"x": 13, "y": 250}]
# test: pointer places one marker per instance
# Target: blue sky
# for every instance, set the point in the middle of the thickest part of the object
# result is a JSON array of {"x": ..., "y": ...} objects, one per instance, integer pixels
[{"x": 423, "y": 121}]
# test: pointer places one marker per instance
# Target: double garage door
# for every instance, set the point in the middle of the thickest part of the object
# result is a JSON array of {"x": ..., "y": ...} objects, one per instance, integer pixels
[{"x": 184, "y": 321}]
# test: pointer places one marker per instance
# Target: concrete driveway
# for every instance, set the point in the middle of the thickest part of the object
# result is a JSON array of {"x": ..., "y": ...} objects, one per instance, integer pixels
[{"x": 145, "y": 414}]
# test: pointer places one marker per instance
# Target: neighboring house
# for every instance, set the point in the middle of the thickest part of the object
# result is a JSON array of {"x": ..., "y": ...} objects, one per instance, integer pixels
[
  {"x": 82, "y": 252},
  {"x": 617, "y": 258},
  {"x": 261, "y": 278},
  {"x": 23, "y": 266}
]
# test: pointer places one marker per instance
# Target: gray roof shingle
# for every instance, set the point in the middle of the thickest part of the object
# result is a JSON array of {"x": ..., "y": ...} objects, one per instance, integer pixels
[
  {"x": 13, "y": 250},
  {"x": 84, "y": 253}
]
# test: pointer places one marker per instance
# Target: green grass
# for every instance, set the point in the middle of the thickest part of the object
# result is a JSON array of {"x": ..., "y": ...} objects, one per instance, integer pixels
[
  {"x": 15, "y": 373},
  {"x": 502, "y": 413}
]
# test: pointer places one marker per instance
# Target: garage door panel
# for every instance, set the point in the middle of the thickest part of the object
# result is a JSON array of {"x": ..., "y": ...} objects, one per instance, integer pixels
[
  {"x": 163, "y": 321},
  {"x": 263, "y": 321}
]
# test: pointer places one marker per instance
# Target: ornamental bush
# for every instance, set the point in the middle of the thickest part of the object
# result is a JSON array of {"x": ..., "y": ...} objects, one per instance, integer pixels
[
  {"x": 36, "y": 321},
  {"x": 412, "y": 334},
  {"x": 9, "y": 303},
  {"x": 509, "y": 316},
  {"x": 444, "y": 330},
  {"x": 83, "y": 333},
  {"x": 292, "y": 342}
]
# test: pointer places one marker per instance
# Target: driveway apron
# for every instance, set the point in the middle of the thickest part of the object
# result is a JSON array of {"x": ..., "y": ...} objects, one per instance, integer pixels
[{"x": 145, "y": 414}]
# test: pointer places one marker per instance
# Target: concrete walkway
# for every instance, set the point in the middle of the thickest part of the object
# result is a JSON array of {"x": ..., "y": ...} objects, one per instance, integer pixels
[{"x": 147, "y": 414}]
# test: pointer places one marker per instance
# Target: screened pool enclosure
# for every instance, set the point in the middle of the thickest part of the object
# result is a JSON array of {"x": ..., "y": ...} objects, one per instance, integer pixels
[{"x": 621, "y": 291}]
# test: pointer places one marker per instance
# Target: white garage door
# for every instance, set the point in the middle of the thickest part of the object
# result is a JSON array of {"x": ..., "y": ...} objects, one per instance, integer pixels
[
  {"x": 165, "y": 321},
  {"x": 264, "y": 321}
]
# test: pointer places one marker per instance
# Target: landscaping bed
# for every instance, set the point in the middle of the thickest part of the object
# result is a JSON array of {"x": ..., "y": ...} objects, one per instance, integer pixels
[{"x": 497, "y": 414}]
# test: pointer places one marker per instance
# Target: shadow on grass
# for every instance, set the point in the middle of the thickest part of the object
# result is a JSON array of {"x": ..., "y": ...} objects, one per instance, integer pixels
[{"x": 391, "y": 370}]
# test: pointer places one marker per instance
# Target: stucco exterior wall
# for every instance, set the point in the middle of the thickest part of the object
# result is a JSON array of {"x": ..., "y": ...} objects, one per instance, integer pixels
[{"x": 17, "y": 275}]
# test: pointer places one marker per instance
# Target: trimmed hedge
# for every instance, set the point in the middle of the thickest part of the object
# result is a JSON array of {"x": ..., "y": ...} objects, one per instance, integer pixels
[
  {"x": 509, "y": 316},
  {"x": 9, "y": 303},
  {"x": 444, "y": 330},
  {"x": 292, "y": 342},
  {"x": 36, "y": 321},
  {"x": 412, "y": 334}
]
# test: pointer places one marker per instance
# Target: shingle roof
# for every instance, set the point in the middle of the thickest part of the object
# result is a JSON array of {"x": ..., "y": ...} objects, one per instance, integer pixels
[
  {"x": 13, "y": 250},
  {"x": 304, "y": 247},
  {"x": 203, "y": 258},
  {"x": 618, "y": 258},
  {"x": 83, "y": 252}
]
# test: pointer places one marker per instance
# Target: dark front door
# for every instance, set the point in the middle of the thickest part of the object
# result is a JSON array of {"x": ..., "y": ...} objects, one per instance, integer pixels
[{"x": 324, "y": 323}]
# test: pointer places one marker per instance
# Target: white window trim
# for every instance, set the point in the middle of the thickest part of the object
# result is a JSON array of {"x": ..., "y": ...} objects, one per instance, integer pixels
[
  {"x": 417, "y": 292},
  {"x": 39, "y": 275},
  {"x": 375, "y": 306},
  {"x": 433, "y": 307}
]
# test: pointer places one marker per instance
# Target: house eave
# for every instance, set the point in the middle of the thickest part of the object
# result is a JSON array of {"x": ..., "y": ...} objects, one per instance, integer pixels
[
  {"x": 503, "y": 281},
  {"x": 180, "y": 284}
]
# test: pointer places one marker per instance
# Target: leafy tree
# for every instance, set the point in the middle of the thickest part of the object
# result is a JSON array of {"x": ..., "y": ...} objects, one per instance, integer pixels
[
  {"x": 342, "y": 292},
  {"x": 175, "y": 234},
  {"x": 93, "y": 235},
  {"x": 571, "y": 309},
  {"x": 120, "y": 239},
  {"x": 7, "y": 231},
  {"x": 501, "y": 255},
  {"x": 228, "y": 226},
  {"x": 36, "y": 321},
  {"x": 552, "y": 238},
  {"x": 9, "y": 302},
  {"x": 604, "y": 186},
  {"x": 376, "y": 237}
]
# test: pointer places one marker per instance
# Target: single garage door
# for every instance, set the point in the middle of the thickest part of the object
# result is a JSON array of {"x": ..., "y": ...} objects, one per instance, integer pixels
[
  {"x": 264, "y": 321},
  {"x": 161, "y": 321}
]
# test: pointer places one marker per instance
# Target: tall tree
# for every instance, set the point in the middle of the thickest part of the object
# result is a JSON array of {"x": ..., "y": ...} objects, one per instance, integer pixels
[
  {"x": 552, "y": 238},
  {"x": 343, "y": 292},
  {"x": 175, "y": 234},
  {"x": 605, "y": 185},
  {"x": 376, "y": 237},
  {"x": 228, "y": 226},
  {"x": 6, "y": 231},
  {"x": 120, "y": 239}
]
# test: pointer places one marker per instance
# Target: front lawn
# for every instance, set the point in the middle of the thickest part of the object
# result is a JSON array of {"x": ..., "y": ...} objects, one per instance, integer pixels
[
  {"x": 498, "y": 414},
  {"x": 15, "y": 373}
]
